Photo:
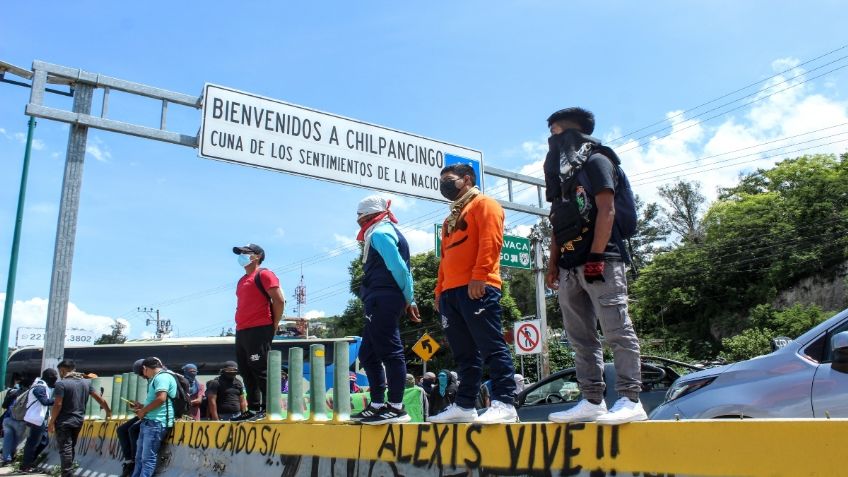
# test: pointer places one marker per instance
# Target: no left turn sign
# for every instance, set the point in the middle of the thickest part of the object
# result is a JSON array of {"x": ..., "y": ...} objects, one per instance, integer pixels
[{"x": 527, "y": 337}]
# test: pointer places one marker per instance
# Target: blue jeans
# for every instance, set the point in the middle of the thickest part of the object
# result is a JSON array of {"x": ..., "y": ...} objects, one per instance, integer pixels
[
  {"x": 147, "y": 448},
  {"x": 36, "y": 442},
  {"x": 475, "y": 335},
  {"x": 128, "y": 437},
  {"x": 381, "y": 346},
  {"x": 13, "y": 434}
]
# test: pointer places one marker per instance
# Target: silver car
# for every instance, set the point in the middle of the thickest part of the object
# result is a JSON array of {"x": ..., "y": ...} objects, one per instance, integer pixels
[{"x": 807, "y": 377}]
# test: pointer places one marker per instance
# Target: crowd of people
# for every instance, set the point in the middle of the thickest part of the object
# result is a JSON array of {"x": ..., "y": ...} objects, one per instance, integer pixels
[
  {"x": 52, "y": 404},
  {"x": 585, "y": 185}
]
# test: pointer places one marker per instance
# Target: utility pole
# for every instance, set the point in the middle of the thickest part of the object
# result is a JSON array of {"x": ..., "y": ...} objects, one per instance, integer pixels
[
  {"x": 541, "y": 305},
  {"x": 163, "y": 327},
  {"x": 13, "y": 261}
]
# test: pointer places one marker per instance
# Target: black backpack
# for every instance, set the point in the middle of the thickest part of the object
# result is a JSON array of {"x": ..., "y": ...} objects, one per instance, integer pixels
[
  {"x": 182, "y": 402},
  {"x": 566, "y": 219}
]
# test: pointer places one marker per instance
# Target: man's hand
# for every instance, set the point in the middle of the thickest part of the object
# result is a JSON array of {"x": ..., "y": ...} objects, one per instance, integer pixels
[
  {"x": 436, "y": 303},
  {"x": 51, "y": 428},
  {"x": 552, "y": 278},
  {"x": 594, "y": 268},
  {"x": 476, "y": 289},
  {"x": 139, "y": 412},
  {"x": 412, "y": 311},
  {"x": 108, "y": 414}
]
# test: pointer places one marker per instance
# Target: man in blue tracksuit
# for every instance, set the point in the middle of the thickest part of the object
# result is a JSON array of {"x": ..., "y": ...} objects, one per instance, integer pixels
[{"x": 386, "y": 291}]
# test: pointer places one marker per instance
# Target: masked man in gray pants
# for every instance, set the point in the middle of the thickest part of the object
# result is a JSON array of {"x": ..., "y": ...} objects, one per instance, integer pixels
[{"x": 586, "y": 265}]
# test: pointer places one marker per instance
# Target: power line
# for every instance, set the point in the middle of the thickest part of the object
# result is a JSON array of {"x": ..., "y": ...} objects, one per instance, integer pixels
[{"x": 776, "y": 75}]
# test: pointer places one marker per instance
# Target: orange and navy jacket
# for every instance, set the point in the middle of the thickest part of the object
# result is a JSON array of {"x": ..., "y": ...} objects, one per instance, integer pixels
[{"x": 473, "y": 250}]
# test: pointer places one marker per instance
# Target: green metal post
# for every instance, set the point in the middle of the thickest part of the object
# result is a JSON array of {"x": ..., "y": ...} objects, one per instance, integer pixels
[
  {"x": 97, "y": 384},
  {"x": 341, "y": 382},
  {"x": 117, "y": 381},
  {"x": 93, "y": 409},
  {"x": 317, "y": 383},
  {"x": 141, "y": 388},
  {"x": 90, "y": 408},
  {"x": 295, "y": 398},
  {"x": 125, "y": 387},
  {"x": 132, "y": 390},
  {"x": 273, "y": 393},
  {"x": 13, "y": 261}
]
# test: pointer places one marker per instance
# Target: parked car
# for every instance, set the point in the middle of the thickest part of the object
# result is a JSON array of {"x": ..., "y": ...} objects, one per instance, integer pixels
[
  {"x": 559, "y": 392},
  {"x": 806, "y": 377}
]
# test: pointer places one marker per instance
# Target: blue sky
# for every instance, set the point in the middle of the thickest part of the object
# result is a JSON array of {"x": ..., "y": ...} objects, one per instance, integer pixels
[{"x": 157, "y": 223}]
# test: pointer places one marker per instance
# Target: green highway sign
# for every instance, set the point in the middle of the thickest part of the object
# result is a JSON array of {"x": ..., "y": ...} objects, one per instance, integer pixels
[{"x": 514, "y": 254}]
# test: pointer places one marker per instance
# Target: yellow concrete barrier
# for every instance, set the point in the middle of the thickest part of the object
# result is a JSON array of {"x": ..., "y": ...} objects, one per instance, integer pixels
[{"x": 693, "y": 448}]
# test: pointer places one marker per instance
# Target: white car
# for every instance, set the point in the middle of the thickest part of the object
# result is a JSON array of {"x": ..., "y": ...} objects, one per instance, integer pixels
[{"x": 807, "y": 377}]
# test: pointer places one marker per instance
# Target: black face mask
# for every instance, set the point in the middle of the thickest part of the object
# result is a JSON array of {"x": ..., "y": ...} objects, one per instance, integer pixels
[
  {"x": 229, "y": 376},
  {"x": 449, "y": 189}
]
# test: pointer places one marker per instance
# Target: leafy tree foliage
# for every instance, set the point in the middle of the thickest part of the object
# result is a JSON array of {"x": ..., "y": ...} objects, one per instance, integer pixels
[
  {"x": 116, "y": 336},
  {"x": 684, "y": 202},
  {"x": 777, "y": 226}
]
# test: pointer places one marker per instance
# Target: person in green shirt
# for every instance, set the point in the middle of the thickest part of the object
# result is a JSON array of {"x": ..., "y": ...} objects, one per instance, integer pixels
[{"x": 157, "y": 416}]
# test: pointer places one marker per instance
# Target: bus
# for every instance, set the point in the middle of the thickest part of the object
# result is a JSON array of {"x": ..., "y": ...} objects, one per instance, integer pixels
[{"x": 209, "y": 354}]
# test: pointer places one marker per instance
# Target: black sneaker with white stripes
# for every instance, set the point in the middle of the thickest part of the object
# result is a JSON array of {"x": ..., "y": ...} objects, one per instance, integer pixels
[
  {"x": 369, "y": 411},
  {"x": 387, "y": 415}
]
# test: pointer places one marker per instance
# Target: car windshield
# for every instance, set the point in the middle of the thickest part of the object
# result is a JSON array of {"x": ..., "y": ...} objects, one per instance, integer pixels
[{"x": 561, "y": 389}]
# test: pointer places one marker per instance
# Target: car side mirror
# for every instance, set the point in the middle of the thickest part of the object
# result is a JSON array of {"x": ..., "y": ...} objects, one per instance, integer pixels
[{"x": 839, "y": 347}]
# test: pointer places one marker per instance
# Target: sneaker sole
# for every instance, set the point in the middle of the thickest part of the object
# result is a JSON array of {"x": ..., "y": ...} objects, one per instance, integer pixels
[
  {"x": 582, "y": 419},
  {"x": 394, "y": 420},
  {"x": 621, "y": 421},
  {"x": 499, "y": 421},
  {"x": 470, "y": 420}
]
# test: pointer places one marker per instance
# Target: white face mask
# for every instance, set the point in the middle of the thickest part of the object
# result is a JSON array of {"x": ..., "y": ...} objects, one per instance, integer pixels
[{"x": 244, "y": 260}]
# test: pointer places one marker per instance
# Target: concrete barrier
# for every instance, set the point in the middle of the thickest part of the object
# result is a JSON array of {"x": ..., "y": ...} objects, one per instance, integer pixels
[{"x": 693, "y": 448}]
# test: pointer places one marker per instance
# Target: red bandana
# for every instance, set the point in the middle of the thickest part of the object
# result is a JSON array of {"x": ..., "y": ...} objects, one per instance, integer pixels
[{"x": 388, "y": 213}]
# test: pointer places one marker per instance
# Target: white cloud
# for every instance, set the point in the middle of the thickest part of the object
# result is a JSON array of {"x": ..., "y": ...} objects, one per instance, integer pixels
[
  {"x": 37, "y": 144},
  {"x": 32, "y": 313},
  {"x": 312, "y": 314},
  {"x": 43, "y": 208},
  {"x": 419, "y": 240},
  {"x": 279, "y": 232},
  {"x": 715, "y": 153},
  {"x": 522, "y": 230},
  {"x": 345, "y": 244},
  {"x": 98, "y": 150}
]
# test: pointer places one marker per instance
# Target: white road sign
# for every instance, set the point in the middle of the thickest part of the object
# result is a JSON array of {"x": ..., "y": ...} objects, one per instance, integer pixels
[
  {"x": 527, "y": 337},
  {"x": 249, "y": 129},
  {"x": 35, "y": 337}
]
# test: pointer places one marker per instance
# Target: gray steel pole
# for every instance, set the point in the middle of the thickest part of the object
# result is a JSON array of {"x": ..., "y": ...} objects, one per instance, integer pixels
[
  {"x": 13, "y": 260},
  {"x": 66, "y": 229},
  {"x": 541, "y": 312}
]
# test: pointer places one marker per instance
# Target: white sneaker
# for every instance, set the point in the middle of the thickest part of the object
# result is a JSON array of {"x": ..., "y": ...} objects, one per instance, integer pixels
[
  {"x": 624, "y": 410},
  {"x": 454, "y": 413},
  {"x": 584, "y": 411},
  {"x": 498, "y": 413}
]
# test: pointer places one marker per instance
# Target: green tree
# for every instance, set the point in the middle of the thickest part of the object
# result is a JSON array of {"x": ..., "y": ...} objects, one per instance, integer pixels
[
  {"x": 116, "y": 336},
  {"x": 684, "y": 202},
  {"x": 651, "y": 233},
  {"x": 776, "y": 227}
]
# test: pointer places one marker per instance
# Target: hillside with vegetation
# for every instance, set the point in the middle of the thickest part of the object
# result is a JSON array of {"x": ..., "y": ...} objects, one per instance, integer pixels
[{"x": 706, "y": 277}]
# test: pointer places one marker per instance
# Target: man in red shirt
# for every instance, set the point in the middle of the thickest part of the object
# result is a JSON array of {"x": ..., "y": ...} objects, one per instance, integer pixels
[{"x": 258, "y": 313}]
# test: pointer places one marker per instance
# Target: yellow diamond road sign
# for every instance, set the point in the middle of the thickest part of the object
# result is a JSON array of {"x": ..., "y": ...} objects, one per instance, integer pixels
[{"x": 426, "y": 347}]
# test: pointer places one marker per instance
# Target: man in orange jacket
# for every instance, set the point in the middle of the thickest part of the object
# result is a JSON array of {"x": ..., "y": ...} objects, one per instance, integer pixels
[{"x": 468, "y": 294}]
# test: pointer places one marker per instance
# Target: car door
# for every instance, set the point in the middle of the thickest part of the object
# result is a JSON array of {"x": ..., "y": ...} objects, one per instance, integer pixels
[
  {"x": 830, "y": 387},
  {"x": 557, "y": 393}
]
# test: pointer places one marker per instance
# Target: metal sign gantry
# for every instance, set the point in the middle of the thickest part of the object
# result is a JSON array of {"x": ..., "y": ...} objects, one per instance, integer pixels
[{"x": 83, "y": 86}]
